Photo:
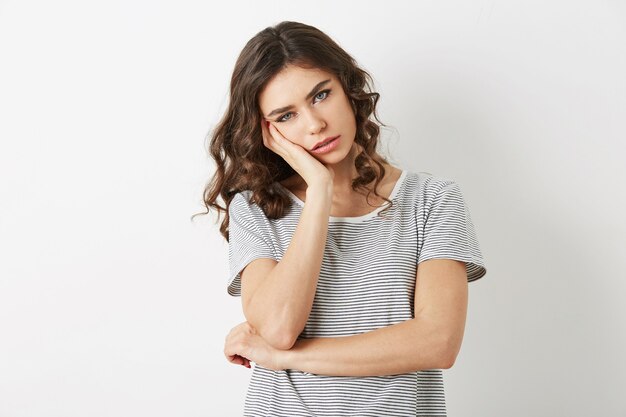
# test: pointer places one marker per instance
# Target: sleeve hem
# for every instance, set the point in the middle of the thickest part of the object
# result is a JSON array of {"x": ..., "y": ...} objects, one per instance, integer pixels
[
  {"x": 234, "y": 283},
  {"x": 475, "y": 268}
]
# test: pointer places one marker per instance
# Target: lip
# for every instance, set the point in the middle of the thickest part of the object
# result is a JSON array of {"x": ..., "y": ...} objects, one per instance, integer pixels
[
  {"x": 327, "y": 146},
  {"x": 324, "y": 141}
]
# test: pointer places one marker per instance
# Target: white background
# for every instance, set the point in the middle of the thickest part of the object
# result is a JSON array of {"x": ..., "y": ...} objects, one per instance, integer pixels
[{"x": 113, "y": 302}]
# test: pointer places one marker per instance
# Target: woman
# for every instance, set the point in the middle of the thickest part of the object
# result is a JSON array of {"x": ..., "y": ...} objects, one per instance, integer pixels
[{"x": 325, "y": 239}]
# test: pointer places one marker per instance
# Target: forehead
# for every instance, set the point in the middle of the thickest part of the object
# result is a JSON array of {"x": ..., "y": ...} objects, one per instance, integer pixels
[{"x": 290, "y": 85}]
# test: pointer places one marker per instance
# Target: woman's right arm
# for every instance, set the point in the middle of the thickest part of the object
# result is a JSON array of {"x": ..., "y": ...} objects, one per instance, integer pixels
[{"x": 277, "y": 297}]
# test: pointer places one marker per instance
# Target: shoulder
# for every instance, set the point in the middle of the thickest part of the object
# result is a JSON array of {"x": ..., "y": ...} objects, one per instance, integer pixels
[
  {"x": 242, "y": 205},
  {"x": 425, "y": 185},
  {"x": 240, "y": 200},
  {"x": 426, "y": 194}
]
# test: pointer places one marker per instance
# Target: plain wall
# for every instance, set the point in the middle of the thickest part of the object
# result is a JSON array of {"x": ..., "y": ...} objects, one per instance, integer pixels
[{"x": 113, "y": 302}]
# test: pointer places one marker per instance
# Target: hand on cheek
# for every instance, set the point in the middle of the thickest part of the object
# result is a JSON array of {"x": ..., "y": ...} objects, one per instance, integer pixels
[
  {"x": 277, "y": 134},
  {"x": 272, "y": 128}
]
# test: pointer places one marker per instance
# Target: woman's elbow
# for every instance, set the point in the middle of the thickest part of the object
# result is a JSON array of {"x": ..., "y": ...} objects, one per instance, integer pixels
[
  {"x": 448, "y": 362},
  {"x": 280, "y": 334},
  {"x": 449, "y": 353},
  {"x": 278, "y": 337}
]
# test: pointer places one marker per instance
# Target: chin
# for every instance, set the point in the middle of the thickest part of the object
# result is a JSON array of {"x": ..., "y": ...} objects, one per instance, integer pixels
[{"x": 333, "y": 159}]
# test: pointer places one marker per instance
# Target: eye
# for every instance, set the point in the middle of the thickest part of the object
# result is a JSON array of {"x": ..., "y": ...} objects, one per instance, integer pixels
[
  {"x": 282, "y": 118},
  {"x": 325, "y": 94}
]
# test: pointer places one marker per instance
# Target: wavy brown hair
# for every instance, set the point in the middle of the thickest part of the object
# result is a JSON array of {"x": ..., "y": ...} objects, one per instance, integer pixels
[{"x": 243, "y": 162}]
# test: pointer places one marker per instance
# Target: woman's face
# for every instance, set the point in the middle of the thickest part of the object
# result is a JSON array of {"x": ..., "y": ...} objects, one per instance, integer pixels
[{"x": 307, "y": 106}]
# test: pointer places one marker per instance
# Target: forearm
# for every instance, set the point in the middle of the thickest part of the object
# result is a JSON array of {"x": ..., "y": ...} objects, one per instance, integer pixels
[
  {"x": 281, "y": 304},
  {"x": 409, "y": 346}
]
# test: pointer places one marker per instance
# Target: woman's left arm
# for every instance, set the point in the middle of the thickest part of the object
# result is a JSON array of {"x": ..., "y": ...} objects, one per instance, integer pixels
[{"x": 431, "y": 340}]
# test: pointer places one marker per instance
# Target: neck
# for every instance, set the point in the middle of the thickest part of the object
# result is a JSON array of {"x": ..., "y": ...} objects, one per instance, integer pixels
[{"x": 345, "y": 171}]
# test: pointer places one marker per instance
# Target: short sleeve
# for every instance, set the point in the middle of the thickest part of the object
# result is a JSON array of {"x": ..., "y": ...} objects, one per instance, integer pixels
[
  {"x": 246, "y": 242},
  {"x": 448, "y": 231}
]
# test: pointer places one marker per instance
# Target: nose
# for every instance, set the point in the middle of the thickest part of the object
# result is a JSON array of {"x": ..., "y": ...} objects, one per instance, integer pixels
[{"x": 315, "y": 123}]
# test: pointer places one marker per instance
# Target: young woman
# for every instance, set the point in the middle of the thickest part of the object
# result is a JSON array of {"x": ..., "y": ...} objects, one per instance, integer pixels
[{"x": 352, "y": 272}]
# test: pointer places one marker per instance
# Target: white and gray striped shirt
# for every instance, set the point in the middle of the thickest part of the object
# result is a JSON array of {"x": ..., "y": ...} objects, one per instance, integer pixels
[{"x": 367, "y": 281}]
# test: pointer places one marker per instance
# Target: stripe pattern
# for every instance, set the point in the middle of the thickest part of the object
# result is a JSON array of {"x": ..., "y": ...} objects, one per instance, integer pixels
[{"x": 366, "y": 281}]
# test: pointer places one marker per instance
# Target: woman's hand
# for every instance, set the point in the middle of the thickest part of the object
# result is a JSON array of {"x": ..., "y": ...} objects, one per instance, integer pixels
[
  {"x": 309, "y": 168},
  {"x": 243, "y": 345}
]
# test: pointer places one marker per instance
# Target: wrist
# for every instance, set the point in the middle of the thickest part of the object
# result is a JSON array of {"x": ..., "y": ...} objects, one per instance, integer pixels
[{"x": 319, "y": 192}]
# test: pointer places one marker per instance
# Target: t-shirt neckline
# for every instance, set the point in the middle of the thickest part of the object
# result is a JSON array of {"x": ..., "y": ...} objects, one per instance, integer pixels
[{"x": 356, "y": 219}]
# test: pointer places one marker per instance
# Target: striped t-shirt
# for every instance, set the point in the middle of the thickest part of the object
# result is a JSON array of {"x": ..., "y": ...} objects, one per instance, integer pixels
[{"x": 366, "y": 281}]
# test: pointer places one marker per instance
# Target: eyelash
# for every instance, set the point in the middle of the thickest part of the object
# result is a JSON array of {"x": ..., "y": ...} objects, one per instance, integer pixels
[{"x": 281, "y": 120}]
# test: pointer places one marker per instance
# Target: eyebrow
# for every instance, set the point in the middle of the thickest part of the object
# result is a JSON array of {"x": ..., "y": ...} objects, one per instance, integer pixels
[{"x": 308, "y": 96}]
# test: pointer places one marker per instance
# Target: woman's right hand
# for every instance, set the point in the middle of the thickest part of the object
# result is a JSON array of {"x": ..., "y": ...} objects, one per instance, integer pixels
[{"x": 310, "y": 169}]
